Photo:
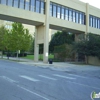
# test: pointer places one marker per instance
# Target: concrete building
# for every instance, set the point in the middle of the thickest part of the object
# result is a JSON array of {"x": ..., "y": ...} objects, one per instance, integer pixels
[{"x": 73, "y": 15}]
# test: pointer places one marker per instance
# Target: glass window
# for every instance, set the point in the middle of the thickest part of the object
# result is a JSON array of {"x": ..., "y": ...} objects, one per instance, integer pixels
[
  {"x": 90, "y": 20},
  {"x": 37, "y": 6},
  {"x": 27, "y": 4},
  {"x": 16, "y": 3},
  {"x": 77, "y": 17},
  {"x": 98, "y": 23},
  {"x": 54, "y": 10},
  {"x": 3, "y": 2},
  {"x": 80, "y": 18},
  {"x": 62, "y": 12},
  {"x": 58, "y": 11},
  {"x": 66, "y": 14},
  {"x": 51, "y": 9},
  {"x": 94, "y": 22},
  {"x": 32, "y": 5},
  {"x": 70, "y": 14},
  {"x": 10, "y": 2},
  {"x": 42, "y": 7},
  {"x": 21, "y": 4},
  {"x": 74, "y": 17},
  {"x": 83, "y": 19}
]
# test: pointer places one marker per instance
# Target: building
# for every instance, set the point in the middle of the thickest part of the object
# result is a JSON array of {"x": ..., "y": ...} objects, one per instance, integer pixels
[{"x": 73, "y": 15}]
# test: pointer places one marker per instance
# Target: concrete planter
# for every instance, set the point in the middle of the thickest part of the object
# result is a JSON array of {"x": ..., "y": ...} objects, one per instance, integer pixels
[{"x": 93, "y": 60}]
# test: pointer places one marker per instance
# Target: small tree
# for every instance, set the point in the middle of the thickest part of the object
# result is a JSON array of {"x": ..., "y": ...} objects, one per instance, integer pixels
[
  {"x": 18, "y": 38},
  {"x": 90, "y": 46},
  {"x": 3, "y": 31}
]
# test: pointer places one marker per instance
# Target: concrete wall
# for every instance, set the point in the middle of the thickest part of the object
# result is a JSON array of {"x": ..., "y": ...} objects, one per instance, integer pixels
[{"x": 93, "y": 60}]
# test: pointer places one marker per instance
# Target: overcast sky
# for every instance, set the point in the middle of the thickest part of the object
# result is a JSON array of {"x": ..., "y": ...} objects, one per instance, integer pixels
[{"x": 95, "y": 3}]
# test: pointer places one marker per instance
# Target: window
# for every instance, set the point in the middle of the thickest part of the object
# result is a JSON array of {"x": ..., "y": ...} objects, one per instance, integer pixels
[
  {"x": 98, "y": 23},
  {"x": 10, "y": 2},
  {"x": 91, "y": 21},
  {"x": 74, "y": 17},
  {"x": 27, "y": 4},
  {"x": 32, "y": 5},
  {"x": 58, "y": 11},
  {"x": 77, "y": 17},
  {"x": 37, "y": 6},
  {"x": 66, "y": 14},
  {"x": 62, "y": 12},
  {"x": 4, "y": 2},
  {"x": 83, "y": 19},
  {"x": 21, "y": 4},
  {"x": 54, "y": 10},
  {"x": 80, "y": 18},
  {"x": 42, "y": 7},
  {"x": 16, "y": 3},
  {"x": 51, "y": 9},
  {"x": 94, "y": 24},
  {"x": 70, "y": 14}
]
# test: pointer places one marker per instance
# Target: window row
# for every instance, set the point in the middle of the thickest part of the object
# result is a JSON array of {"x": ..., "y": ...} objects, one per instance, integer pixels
[
  {"x": 94, "y": 21},
  {"x": 66, "y": 13},
  {"x": 31, "y": 5}
]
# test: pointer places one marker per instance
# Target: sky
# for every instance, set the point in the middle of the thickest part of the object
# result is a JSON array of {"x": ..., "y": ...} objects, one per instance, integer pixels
[{"x": 95, "y": 3}]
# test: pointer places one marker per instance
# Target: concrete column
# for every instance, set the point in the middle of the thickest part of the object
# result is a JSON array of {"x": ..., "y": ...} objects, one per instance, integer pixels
[
  {"x": 46, "y": 32},
  {"x": 36, "y": 46},
  {"x": 87, "y": 18}
]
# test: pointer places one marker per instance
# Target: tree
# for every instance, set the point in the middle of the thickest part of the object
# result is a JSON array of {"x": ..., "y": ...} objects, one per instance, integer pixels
[
  {"x": 3, "y": 31},
  {"x": 18, "y": 38},
  {"x": 90, "y": 46},
  {"x": 60, "y": 38}
]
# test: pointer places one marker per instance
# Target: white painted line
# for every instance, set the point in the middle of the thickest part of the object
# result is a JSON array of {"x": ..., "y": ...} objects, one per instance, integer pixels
[
  {"x": 77, "y": 76},
  {"x": 47, "y": 77},
  {"x": 63, "y": 76},
  {"x": 8, "y": 79},
  {"x": 33, "y": 93},
  {"x": 84, "y": 85},
  {"x": 29, "y": 78}
]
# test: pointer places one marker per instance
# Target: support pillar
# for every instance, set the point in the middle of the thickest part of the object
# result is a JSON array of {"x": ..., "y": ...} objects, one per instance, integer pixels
[
  {"x": 46, "y": 33},
  {"x": 36, "y": 46}
]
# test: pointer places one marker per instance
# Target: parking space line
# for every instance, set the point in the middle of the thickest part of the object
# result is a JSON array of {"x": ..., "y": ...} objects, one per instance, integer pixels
[
  {"x": 29, "y": 78},
  {"x": 61, "y": 76},
  {"x": 47, "y": 77},
  {"x": 33, "y": 93}
]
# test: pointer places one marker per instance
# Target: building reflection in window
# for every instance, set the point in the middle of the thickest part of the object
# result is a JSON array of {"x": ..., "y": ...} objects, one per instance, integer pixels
[
  {"x": 9, "y": 3},
  {"x": 4, "y": 2},
  {"x": 42, "y": 7},
  {"x": 16, "y": 2},
  {"x": 21, "y": 5},
  {"x": 37, "y": 6},
  {"x": 27, "y": 4}
]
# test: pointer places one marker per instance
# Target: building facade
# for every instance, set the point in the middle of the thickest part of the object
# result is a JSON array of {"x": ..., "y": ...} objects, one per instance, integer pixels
[{"x": 73, "y": 15}]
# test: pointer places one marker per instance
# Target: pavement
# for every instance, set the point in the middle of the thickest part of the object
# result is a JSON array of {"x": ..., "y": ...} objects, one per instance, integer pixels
[{"x": 78, "y": 68}]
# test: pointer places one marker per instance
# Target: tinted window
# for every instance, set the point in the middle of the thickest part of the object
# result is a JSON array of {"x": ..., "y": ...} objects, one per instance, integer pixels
[
  {"x": 32, "y": 8},
  {"x": 21, "y": 4},
  {"x": 58, "y": 11},
  {"x": 3, "y": 2},
  {"x": 66, "y": 14},
  {"x": 16, "y": 3},
  {"x": 54, "y": 10},
  {"x": 9, "y": 2},
  {"x": 27, "y": 3},
  {"x": 37, "y": 6},
  {"x": 42, "y": 7},
  {"x": 62, "y": 13}
]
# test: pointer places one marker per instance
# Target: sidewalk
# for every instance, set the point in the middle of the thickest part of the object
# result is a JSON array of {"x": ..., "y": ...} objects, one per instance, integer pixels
[{"x": 62, "y": 66}]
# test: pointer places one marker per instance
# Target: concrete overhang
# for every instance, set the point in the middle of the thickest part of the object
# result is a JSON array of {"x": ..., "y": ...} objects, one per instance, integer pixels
[
  {"x": 20, "y": 15},
  {"x": 60, "y": 24}
]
